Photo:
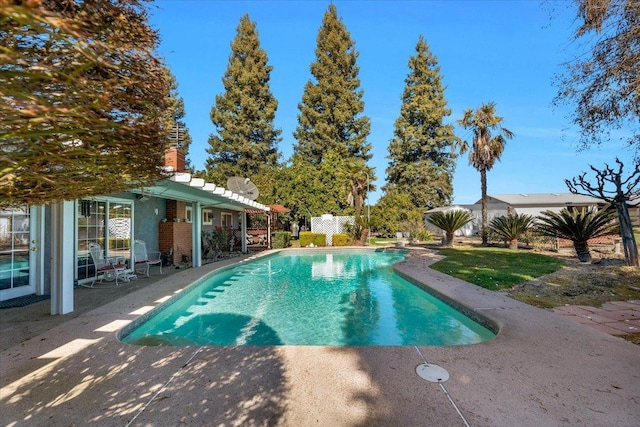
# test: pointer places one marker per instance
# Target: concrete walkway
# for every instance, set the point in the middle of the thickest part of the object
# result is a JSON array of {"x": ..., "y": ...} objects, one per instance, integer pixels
[{"x": 541, "y": 370}]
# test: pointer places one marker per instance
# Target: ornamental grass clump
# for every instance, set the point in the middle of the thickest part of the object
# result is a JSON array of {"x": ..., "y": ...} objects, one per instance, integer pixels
[{"x": 579, "y": 226}]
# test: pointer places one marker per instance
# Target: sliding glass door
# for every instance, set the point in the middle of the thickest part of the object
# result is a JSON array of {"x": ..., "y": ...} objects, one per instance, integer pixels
[{"x": 16, "y": 266}]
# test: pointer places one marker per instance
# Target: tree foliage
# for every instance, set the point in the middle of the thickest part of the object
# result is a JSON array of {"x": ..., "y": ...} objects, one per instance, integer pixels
[
  {"x": 393, "y": 211},
  {"x": 579, "y": 226},
  {"x": 82, "y": 99},
  {"x": 331, "y": 133},
  {"x": 612, "y": 187},
  {"x": 603, "y": 82},
  {"x": 422, "y": 161},
  {"x": 331, "y": 109},
  {"x": 246, "y": 140},
  {"x": 488, "y": 141}
]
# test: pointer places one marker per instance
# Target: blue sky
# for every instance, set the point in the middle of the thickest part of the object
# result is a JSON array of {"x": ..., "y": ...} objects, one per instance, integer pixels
[{"x": 507, "y": 52}]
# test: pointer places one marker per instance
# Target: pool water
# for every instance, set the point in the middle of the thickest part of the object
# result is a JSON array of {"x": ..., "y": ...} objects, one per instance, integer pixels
[{"x": 339, "y": 298}]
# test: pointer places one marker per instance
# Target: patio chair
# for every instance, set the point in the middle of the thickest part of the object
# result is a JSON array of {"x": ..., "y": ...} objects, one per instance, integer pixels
[
  {"x": 143, "y": 260},
  {"x": 105, "y": 268}
]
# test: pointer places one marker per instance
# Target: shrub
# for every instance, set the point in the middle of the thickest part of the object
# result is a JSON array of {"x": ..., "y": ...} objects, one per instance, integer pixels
[
  {"x": 510, "y": 228},
  {"x": 340, "y": 240},
  {"x": 281, "y": 239},
  {"x": 579, "y": 226},
  {"x": 450, "y": 222},
  {"x": 307, "y": 237},
  {"x": 423, "y": 235}
]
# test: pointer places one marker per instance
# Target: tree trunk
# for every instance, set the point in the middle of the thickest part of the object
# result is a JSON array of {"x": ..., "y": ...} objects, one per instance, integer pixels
[
  {"x": 513, "y": 244},
  {"x": 448, "y": 240},
  {"x": 626, "y": 231},
  {"x": 485, "y": 220},
  {"x": 364, "y": 236},
  {"x": 582, "y": 250}
]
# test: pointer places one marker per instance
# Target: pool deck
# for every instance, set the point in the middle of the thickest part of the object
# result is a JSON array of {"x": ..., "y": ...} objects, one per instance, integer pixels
[{"x": 541, "y": 370}]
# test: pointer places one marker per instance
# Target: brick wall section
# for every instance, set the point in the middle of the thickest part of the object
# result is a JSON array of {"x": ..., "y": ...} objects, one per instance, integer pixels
[
  {"x": 176, "y": 235},
  {"x": 176, "y": 209},
  {"x": 175, "y": 158}
]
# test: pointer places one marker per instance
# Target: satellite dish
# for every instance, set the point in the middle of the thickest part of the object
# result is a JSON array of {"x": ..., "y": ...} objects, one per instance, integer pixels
[{"x": 243, "y": 187}]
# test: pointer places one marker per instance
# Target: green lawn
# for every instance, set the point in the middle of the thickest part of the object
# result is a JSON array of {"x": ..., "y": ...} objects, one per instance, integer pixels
[{"x": 495, "y": 268}]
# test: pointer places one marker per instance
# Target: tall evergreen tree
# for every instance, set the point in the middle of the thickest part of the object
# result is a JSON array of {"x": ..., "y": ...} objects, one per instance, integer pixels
[
  {"x": 246, "y": 140},
  {"x": 422, "y": 159},
  {"x": 330, "y": 112}
]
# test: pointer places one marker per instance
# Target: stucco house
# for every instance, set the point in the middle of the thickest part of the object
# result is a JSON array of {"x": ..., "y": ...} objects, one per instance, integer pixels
[
  {"x": 45, "y": 249},
  {"x": 530, "y": 204}
]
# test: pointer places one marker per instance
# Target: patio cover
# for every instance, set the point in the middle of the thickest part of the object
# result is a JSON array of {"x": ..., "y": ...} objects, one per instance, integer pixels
[
  {"x": 184, "y": 187},
  {"x": 272, "y": 208}
]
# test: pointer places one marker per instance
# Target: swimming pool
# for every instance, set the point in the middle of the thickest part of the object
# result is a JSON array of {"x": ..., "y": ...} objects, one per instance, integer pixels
[{"x": 341, "y": 298}]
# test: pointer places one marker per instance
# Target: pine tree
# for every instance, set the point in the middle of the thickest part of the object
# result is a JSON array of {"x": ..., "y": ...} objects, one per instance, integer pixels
[
  {"x": 330, "y": 111},
  {"x": 422, "y": 161},
  {"x": 246, "y": 140}
]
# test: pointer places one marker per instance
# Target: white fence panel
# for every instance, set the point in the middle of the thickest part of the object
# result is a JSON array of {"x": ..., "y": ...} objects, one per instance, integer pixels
[{"x": 330, "y": 225}]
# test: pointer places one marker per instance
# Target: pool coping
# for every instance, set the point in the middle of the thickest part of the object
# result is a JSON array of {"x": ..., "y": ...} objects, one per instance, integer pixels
[{"x": 540, "y": 369}]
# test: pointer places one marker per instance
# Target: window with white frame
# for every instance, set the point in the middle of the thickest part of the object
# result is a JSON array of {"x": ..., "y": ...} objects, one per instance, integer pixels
[
  {"x": 207, "y": 217},
  {"x": 226, "y": 219},
  {"x": 188, "y": 214}
]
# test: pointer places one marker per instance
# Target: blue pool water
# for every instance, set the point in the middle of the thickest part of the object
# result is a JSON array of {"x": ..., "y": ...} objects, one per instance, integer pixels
[{"x": 341, "y": 298}]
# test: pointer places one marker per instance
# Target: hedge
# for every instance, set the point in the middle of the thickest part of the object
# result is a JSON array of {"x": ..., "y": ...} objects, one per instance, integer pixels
[
  {"x": 281, "y": 239},
  {"x": 340, "y": 239},
  {"x": 307, "y": 237}
]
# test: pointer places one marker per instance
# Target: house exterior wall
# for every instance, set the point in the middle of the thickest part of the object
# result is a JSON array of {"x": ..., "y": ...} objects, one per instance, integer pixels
[{"x": 146, "y": 220}]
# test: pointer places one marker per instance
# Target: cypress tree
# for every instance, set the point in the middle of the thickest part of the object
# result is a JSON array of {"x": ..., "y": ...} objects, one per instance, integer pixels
[
  {"x": 246, "y": 140},
  {"x": 330, "y": 112},
  {"x": 422, "y": 161}
]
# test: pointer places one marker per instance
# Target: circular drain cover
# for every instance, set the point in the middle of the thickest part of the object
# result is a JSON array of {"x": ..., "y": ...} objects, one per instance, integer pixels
[{"x": 432, "y": 373}]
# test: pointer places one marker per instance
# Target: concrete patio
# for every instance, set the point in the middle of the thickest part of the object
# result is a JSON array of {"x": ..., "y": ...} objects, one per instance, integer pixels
[{"x": 541, "y": 370}]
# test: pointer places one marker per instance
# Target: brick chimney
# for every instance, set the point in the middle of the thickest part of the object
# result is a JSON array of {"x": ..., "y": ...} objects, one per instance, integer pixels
[{"x": 174, "y": 157}]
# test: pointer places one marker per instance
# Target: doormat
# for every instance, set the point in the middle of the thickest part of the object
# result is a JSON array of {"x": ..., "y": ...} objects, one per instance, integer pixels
[{"x": 23, "y": 301}]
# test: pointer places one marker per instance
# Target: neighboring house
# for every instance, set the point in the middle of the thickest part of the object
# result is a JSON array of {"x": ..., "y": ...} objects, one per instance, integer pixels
[
  {"x": 45, "y": 249},
  {"x": 529, "y": 204}
]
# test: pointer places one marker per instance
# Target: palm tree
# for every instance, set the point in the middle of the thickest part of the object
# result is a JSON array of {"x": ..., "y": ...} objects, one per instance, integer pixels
[
  {"x": 486, "y": 148},
  {"x": 450, "y": 222},
  {"x": 579, "y": 226},
  {"x": 511, "y": 227}
]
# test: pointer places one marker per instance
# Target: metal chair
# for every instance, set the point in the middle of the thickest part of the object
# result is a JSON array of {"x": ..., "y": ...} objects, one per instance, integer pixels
[
  {"x": 105, "y": 268},
  {"x": 142, "y": 260}
]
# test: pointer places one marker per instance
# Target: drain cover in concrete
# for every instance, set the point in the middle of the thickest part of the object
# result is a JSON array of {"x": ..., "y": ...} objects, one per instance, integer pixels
[{"x": 432, "y": 373}]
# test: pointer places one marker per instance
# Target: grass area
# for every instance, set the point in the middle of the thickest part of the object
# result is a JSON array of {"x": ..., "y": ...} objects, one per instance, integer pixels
[{"x": 495, "y": 268}]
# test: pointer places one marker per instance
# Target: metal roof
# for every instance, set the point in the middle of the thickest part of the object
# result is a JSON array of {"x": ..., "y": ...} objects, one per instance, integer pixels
[
  {"x": 184, "y": 187},
  {"x": 543, "y": 199}
]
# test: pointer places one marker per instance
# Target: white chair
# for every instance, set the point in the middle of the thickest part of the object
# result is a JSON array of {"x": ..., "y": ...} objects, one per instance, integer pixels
[
  {"x": 105, "y": 268},
  {"x": 143, "y": 259}
]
